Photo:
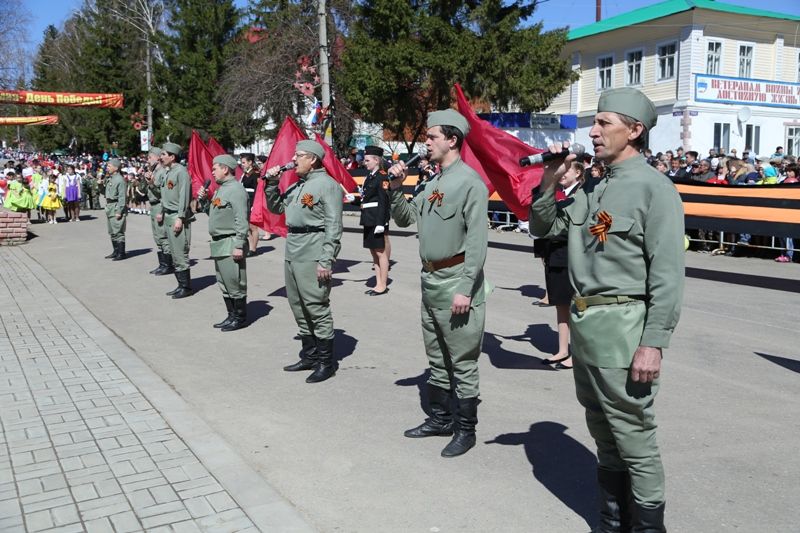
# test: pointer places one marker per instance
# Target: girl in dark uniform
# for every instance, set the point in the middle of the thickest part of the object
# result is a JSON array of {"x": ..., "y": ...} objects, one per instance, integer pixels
[
  {"x": 250, "y": 183},
  {"x": 375, "y": 205}
]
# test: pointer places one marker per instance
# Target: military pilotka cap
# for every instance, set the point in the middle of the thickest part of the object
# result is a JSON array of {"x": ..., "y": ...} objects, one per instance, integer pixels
[
  {"x": 115, "y": 162},
  {"x": 172, "y": 148},
  {"x": 155, "y": 150},
  {"x": 449, "y": 117},
  {"x": 312, "y": 147},
  {"x": 226, "y": 160},
  {"x": 630, "y": 102},
  {"x": 373, "y": 150}
]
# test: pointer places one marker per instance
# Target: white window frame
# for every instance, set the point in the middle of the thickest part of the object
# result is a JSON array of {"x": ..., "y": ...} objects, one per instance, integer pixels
[
  {"x": 721, "y": 55},
  {"x": 798, "y": 66},
  {"x": 755, "y": 137},
  {"x": 793, "y": 148},
  {"x": 674, "y": 65},
  {"x": 641, "y": 67},
  {"x": 739, "y": 45},
  {"x": 598, "y": 88},
  {"x": 724, "y": 143}
]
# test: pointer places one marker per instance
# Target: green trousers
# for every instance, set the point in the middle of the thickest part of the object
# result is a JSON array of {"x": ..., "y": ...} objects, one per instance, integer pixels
[
  {"x": 231, "y": 277},
  {"x": 619, "y": 412},
  {"x": 116, "y": 227},
  {"x": 159, "y": 230},
  {"x": 453, "y": 344},
  {"x": 309, "y": 299},
  {"x": 178, "y": 244}
]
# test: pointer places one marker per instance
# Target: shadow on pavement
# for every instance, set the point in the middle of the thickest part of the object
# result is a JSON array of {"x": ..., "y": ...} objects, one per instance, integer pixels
[
  {"x": 528, "y": 291},
  {"x": 343, "y": 344},
  {"x": 264, "y": 249},
  {"x": 419, "y": 382},
  {"x": 203, "y": 282},
  {"x": 140, "y": 251},
  {"x": 344, "y": 265},
  {"x": 561, "y": 464},
  {"x": 257, "y": 309},
  {"x": 785, "y": 362},
  {"x": 540, "y": 335},
  {"x": 748, "y": 280}
]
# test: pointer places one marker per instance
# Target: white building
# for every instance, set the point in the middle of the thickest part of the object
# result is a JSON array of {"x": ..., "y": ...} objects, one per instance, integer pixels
[{"x": 720, "y": 75}]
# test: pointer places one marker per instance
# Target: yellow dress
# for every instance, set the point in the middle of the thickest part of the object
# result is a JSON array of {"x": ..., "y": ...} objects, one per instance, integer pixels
[{"x": 51, "y": 202}]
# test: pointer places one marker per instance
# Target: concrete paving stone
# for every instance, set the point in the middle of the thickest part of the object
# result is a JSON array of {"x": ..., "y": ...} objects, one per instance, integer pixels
[
  {"x": 115, "y": 431},
  {"x": 225, "y": 522},
  {"x": 155, "y": 481},
  {"x": 171, "y": 460},
  {"x": 188, "y": 526},
  {"x": 9, "y": 523},
  {"x": 100, "y": 507},
  {"x": 45, "y": 500},
  {"x": 125, "y": 522},
  {"x": 38, "y": 521},
  {"x": 141, "y": 498},
  {"x": 175, "y": 474},
  {"x": 167, "y": 518},
  {"x": 108, "y": 487},
  {"x": 221, "y": 501},
  {"x": 79, "y": 449},
  {"x": 143, "y": 464},
  {"x": 66, "y": 427},
  {"x": 98, "y": 525},
  {"x": 81, "y": 436},
  {"x": 22, "y": 458},
  {"x": 122, "y": 468},
  {"x": 8, "y": 489},
  {"x": 163, "y": 494},
  {"x": 25, "y": 444},
  {"x": 69, "y": 528},
  {"x": 109, "y": 443},
  {"x": 202, "y": 490},
  {"x": 84, "y": 492},
  {"x": 56, "y": 481},
  {"x": 158, "y": 435},
  {"x": 66, "y": 514},
  {"x": 9, "y": 508},
  {"x": 160, "y": 508},
  {"x": 198, "y": 506},
  {"x": 126, "y": 453},
  {"x": 62, "y": 439},
  {"x": 36, "y": 470},
  {"x": 45, "y": 454}
]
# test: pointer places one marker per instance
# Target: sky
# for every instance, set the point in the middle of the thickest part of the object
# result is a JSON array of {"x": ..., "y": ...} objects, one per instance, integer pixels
[{"x": 554, "y": 13}]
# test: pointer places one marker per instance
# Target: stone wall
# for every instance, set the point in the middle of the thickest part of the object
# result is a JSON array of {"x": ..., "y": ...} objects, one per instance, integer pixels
[{"x": 13, "y": 227}]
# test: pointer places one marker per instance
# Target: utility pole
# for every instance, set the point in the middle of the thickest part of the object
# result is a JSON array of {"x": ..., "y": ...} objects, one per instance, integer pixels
[
  {"x": 324, "y": 75},
  {"x": 149, "y": 95},
  {"x": 598, "y": 10}
]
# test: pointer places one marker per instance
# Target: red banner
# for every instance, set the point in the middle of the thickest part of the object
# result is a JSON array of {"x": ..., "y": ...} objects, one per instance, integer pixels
[
  {"x": 113, "y": 101},
  {"x": 42, "y": 120},
  {"x": 199, "y": 166},
  {"x": 335, "y": 168}
]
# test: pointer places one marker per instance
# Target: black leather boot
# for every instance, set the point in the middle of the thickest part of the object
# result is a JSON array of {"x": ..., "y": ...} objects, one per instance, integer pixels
[
  {"x": 184, "y": 284},
  {"x": 120, "y": 251},
  {"x": 239, "y": 315},
  {"x": 325, "y": 367},
  {"x": 113, "y": 254},
  {"x": 464, "y": 430},
  {"x": 229, "y": 307},
  {"x": 440, "y": 424},
  {"x": 160, "y": 263},
  {"x": 176, "y": 289},
  {"x": 308, "y": 355},
  {"x": 648, "y": 519},
  {"x": 614, "y": 495},
  {"x": 167, "y": 267}
]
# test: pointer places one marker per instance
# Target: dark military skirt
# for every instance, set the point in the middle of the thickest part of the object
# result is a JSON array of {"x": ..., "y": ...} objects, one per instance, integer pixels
[{"x": 372, "y": 241}]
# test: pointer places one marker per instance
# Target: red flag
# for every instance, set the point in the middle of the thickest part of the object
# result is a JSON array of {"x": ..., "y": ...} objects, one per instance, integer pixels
[
  {"x": 200, "y": 161},
  {"x": 215, "y": 148},
  {"x": 468, "y": 156},
  {"x": 499, "y": 153},
  {"x": 335, "y": 168},
  {"x": 282, "y": 152}
]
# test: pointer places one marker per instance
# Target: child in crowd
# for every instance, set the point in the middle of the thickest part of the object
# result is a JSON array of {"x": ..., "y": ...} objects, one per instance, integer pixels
[
  {"x": 18, "y": 196},
  {"x": 72, "y": 194},
  {"x": 51, "y": 201}
]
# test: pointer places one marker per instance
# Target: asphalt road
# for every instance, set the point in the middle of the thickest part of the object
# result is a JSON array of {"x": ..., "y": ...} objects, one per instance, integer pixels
[{"x": 727, "y": 410}]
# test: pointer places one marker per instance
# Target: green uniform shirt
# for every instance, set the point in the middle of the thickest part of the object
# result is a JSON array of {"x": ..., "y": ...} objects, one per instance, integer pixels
[
  {"x": 456, "y": 224},
  {"x": 117, "y": 191},
  {"x": 325, "y": 196},
  {"x": 644, "y": 252},
  {"x": 176, "y": 190},
  {"x": 227, "y": 216},
  {"x": 154, "y": 189}
]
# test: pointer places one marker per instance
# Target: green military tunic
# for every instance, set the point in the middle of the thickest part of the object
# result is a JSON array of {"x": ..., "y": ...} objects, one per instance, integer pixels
[
  {"x": 313, "y": 209},
  {"x": 116, "y": 196},
  {"x": 176, "y": 194},
  {"x": 154, "y": 199},
  {"x": 448, "y": 225},
  {"x": 228, "y": 226},
  {"x": 642, "y": 265}
]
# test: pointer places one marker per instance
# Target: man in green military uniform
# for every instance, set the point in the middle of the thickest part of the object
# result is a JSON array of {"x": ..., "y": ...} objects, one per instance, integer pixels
[
  {"x": 89, "y": 198},
  {"x": 176, "y": 216},
  {"x": 313, "y": 208},
  {"x": 154, "y": 179},
  {"x": 451, "y": 220},
  {"x": 116, "y": 190},
  {"x": 626, "y": 264},
  {"x": 228, "y": 226}
]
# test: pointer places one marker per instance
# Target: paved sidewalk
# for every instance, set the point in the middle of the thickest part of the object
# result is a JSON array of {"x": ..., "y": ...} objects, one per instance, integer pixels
[{"x": 83, "y": 449}]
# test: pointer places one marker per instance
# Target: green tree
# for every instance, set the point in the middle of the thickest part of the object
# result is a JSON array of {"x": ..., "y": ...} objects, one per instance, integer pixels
[
  {"x": 198, "y": 40},
  {"x": 402, "y": 59}
]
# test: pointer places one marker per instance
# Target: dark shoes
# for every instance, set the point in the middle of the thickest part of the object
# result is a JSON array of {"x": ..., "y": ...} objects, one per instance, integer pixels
[
  {"x": 184, "y": 288},
  {"x": 648, "y": 519},
  {"x": 308, "y": 355},
  {"x": 373, "y": 292},
  {"x": 120, "y": 247},
  {"x": 229, "y": 307},
  {"x": 464, "y": 434},
  {"x": 239, "y": 319},
  {"x": 164, "y": 265},
  {"x": 325, "y": 367},
  {"x": 615, "y": 501},
  {"x": 113, "y": 254},
  {"x": 440, "y": 424}
]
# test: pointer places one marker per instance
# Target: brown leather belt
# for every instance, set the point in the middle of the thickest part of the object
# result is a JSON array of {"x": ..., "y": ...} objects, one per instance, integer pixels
[{"x": 433, "y": 266}]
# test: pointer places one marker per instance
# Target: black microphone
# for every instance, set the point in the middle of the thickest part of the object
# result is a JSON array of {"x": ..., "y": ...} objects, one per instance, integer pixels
[
  {"x": 206, "y": 184},
  {"x": 544, "y": 157},
  {"x": 287, "y": 166},
  {"x": 422, "y": 152}
]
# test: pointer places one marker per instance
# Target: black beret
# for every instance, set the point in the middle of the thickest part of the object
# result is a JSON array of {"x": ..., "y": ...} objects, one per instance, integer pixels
[{"x": 373, "y": 150}]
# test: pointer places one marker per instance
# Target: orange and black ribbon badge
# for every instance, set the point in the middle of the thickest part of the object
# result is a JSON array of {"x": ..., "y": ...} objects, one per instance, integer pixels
[
  {"x": 307, "y": 200},
  {"x": 600, "y": 230},
  {"x": 170, "y": 185},
  {"x": 216, "y": 202},
  {"x": 437, "y": 197}
]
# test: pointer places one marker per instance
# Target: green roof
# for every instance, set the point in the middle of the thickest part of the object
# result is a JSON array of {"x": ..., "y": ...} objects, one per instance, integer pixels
[{"x": 664, "y": 9}]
